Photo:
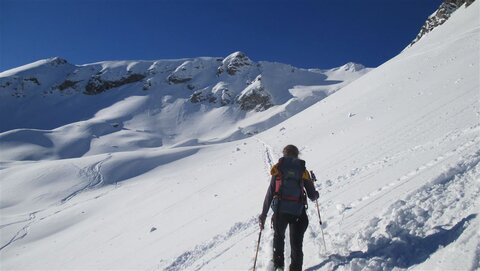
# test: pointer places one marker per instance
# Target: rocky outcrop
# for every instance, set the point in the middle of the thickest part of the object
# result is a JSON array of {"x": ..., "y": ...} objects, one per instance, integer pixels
[
  {"x": 66, "y": 85},
  {"x": 57, "y": 61},
  {"x": 33, "y": 80},
  {"x": 200, "y": 96},
  {"x": 187, "y": 71},
  {"x": 174, "y": 79},
  {"x": 97, "y": 85},
  {"x": 446, "y": 9},
  {"x": 257, "y": 100},
  {"x": 255, "y": 97},
  {"x": 225, "y": 97},
  {"x": 234, "y": 63}
]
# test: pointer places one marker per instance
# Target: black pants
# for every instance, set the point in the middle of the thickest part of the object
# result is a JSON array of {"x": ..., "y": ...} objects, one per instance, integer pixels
[{"x": 298, "y": 226}]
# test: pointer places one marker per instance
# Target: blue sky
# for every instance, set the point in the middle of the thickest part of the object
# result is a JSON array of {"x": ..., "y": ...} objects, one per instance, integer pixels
[{"x": 303, "y": 33}]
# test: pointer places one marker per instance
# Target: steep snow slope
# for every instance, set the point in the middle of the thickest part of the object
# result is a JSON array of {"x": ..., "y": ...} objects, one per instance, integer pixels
[{"x": 396, "y": 153}]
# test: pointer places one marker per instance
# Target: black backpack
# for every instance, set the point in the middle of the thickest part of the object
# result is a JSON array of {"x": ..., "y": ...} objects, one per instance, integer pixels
[{"x": 289, "y": 194}]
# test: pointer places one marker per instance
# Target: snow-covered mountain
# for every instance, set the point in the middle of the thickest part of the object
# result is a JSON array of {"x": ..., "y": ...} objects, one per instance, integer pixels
[
  {"x": 153, "y": 103},
  {"x": 396, "y": 153}
]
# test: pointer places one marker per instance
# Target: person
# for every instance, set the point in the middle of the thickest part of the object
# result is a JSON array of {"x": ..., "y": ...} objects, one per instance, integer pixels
[{"x": 286, "y": 196}]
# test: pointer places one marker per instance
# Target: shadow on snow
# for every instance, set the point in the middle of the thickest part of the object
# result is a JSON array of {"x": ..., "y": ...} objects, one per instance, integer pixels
[{"x": 403, "y": 250}]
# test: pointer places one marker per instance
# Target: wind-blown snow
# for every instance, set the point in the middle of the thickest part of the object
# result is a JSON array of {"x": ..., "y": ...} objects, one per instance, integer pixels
[{"x": 396, "y": 153}]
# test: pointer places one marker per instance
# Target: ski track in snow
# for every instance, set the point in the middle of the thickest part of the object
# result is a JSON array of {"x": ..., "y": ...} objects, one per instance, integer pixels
[
  {"x": 265, "y": 251},
  {"x": 91, "y": 173},
  {"x": 363, "y": 173},
  {"x": 409, "y": 176},
  {"x": 188, "y": 259},
  {"x": 22, "y": 232},
  {"x": 269, "y": 155},
  {"x": 383, "y": 161},
  {"x": 414, "y": 228}
]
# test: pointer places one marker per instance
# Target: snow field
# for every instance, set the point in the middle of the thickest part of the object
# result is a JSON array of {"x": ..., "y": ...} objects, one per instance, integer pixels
[{"x": 396, "y": 154}]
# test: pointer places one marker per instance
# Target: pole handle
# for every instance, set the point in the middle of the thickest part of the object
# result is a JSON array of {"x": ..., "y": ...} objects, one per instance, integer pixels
[{"x": 312, "y": 175}]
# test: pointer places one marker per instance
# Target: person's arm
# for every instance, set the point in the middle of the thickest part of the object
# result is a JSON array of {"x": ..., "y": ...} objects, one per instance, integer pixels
[
  {"x": 267, "y": 201},
  {"x": 309, "y": 186}
]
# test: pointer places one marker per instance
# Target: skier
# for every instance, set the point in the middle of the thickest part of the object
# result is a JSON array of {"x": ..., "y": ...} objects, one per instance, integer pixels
[{"x": 286, "y": 197}]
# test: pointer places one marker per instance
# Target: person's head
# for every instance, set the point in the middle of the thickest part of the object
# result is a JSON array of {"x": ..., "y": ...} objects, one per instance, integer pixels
[{"x": 290, "y": 151}]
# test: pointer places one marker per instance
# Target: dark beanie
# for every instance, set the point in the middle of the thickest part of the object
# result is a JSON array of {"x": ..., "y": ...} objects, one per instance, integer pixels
[{"x": 290, "y": 151}]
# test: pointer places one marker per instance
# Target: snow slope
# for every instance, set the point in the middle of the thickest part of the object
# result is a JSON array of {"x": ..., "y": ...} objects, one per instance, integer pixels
[{"x": 396, "y": 153}]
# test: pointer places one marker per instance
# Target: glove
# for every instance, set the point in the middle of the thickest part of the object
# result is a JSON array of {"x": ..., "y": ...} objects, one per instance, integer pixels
[
  {"x": 316, "y": 196},
  {"x": 261, "y": 221}
]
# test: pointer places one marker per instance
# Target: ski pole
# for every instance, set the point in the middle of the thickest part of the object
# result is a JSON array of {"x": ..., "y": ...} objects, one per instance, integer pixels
[
  {"x": 256, "y": 252},
  {"x": 321, "y": 229},
  {"x": 314, "y": 178}
]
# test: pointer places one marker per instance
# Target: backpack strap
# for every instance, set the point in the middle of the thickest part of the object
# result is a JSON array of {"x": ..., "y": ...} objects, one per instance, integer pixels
[
  {"x": 278, "y": 178},
  {"x": 302, "y": 184}
]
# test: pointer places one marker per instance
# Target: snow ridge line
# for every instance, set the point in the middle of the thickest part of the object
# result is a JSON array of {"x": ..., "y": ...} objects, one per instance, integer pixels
[
  {"x": 413, "y": 229},
  {"x": 91, "y": 173},
  {"x": 188, "y": 258},
  {"x": 22, "y": 232}
]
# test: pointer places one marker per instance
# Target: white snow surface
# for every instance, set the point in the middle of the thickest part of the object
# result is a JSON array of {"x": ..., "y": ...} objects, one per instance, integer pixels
[{"x": 396, "y": 153}]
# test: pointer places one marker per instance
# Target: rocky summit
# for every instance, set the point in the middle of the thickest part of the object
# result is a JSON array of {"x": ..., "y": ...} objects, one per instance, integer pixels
[{"x": 440, "y": 16}]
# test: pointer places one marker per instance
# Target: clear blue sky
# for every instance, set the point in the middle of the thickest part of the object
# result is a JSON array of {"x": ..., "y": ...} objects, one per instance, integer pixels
[{"x": 303, "y": 33}]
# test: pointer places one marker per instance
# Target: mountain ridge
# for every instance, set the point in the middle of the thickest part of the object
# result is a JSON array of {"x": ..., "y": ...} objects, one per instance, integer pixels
[
  {"x": 165, "y": 102},
  {"x": 440, "y": 16}
]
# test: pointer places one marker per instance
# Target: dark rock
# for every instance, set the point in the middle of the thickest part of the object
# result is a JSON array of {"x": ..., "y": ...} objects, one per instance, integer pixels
[
  {"x": 226, "y": 97},
  {"x": 212, "y": 99},
  {"x": 32, "y": 79},
  {"x": 233, "y": 63},
  {"x": 7, "y": 84},
  {"x": 66, "y": 84},
  {"x": 256, "y": 100},
  {"x": 199, "y": 96},
  {"x": 239, "y": 61},
  {"x": 147, "y": 85},
  {"x": 219, "y": 70},
  {"x": 97, "y": 85},
  {"x": 173, "y": 79},
  {"x": 196, "y": 97},
  {"x": 56, "y": 61}
]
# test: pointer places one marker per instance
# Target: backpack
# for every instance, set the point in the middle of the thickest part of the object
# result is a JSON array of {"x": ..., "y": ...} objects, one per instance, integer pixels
[{"x": 289, "y": 194}]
